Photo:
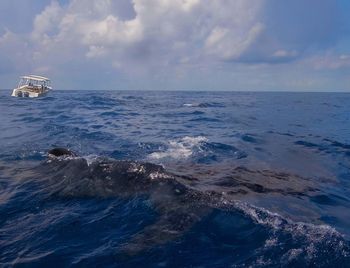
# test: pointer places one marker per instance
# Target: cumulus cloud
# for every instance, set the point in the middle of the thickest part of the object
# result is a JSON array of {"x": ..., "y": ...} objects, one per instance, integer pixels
[
  {"x": 156, "y": 33},
  {"x": 46, "y": 23},
  {"x": 173, "y": 36},
  {"x": 222, "y": 30}
]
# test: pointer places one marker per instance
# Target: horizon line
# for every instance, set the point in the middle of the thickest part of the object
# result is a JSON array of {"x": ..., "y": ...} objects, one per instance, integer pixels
[{"x": 204, "y": 90}]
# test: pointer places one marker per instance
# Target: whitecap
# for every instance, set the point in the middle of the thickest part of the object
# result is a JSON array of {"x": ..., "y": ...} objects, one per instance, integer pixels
[
  {"x": 191, "y": 104},
  {"x": 308, "y": 241},
  {"x": 180, "y": 148},
  {"x": 200, "y": 105}
]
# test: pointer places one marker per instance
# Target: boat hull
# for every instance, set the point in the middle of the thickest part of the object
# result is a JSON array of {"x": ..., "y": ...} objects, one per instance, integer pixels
[{"x": 23, "y": 93}]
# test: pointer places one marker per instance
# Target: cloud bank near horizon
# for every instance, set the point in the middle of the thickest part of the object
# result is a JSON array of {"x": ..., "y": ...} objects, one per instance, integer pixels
[{"x": 178, "y": 44}]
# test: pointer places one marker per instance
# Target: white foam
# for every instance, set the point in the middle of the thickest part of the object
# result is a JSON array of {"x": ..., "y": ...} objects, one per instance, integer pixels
[
  {"x": 180, "y": 148},
  {"x": 311, "y": 238},
  {"x": 311, "y": 241},
  {"x": 137, "y": 168},
  {"x": 158, "y": 175},
  {"x": 60, "y": 158},
  {"x": 90, "y": 159},
  {"x": 191, "y": 104},
  {"x": 271, "y": 242}
]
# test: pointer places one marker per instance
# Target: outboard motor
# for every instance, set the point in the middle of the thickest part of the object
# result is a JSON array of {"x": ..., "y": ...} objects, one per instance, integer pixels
[
  {"x": 19, "y": 94},
  {"x": 26, "y": 94}
]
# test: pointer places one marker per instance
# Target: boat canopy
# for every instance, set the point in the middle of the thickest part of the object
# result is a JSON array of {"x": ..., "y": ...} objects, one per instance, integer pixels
[{"x": 34, "y": 80}]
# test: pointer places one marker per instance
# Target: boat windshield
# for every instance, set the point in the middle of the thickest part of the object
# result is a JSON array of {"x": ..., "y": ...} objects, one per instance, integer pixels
[{"x": 27, "y": 81}]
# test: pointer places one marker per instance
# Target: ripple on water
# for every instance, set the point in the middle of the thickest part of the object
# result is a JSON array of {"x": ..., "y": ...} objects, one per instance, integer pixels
[{"x": 227, "y": 143}]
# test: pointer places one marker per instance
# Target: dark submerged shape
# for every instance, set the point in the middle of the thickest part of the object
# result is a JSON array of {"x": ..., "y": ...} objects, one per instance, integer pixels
[
  {"x": 175, "y": 198},
  {"x": 76, "y": 177}
]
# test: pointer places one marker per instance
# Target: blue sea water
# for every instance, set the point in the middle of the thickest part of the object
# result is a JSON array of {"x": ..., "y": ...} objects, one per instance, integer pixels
[{"x": 274, "y": 168}]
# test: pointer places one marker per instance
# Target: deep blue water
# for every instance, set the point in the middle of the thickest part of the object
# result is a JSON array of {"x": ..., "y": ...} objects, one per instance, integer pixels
[{"x": 277, "y": 164}]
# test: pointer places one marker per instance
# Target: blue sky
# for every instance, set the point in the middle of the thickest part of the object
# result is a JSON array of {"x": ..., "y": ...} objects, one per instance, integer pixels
[{"x": 291, "y": 45}]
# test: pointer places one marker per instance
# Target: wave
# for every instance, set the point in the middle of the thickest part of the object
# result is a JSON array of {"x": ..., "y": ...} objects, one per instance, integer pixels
[
  {"x": 204, "y": 104},
  {"x": 180, "y": 148},
  {"x": 294, "y": 243},
  {"x": 327, "y": 146},
  {"x": 198, "y": 148}
]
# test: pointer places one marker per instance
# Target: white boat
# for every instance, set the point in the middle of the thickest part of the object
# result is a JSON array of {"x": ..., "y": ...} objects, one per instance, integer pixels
[{"x": 32, "y": 86}]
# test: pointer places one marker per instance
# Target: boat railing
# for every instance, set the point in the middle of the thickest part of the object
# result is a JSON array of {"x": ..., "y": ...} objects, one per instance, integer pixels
[{"x": 35, "y": 88}]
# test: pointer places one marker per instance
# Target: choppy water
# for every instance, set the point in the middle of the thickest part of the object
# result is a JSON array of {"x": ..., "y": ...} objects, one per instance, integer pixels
[{"x": 266, "y": 177}]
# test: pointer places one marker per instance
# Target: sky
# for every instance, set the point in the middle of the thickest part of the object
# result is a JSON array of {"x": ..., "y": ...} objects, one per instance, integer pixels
[{"x": 239, "y": 45}]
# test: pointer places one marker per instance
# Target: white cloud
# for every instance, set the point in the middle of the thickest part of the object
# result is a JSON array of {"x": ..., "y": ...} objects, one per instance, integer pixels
[
  {"x": 329, "y": 61},
  {"x": 174, "y": 29},
  {"x": 46, "y": 22},
  {"x": 228, "y": 45},
  {"x": 285, "y": 54},
  {"x": 171, "y": 38}
]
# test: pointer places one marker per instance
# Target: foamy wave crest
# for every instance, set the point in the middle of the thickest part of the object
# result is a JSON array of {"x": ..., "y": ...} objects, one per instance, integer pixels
[
  {"x": 180, "y": 148},
  {"x": 191, "y": 104},
  {"x": 296, "y": 242},
  {"x": 91, "y": 158},
  {"x": 204, "y": 104}
]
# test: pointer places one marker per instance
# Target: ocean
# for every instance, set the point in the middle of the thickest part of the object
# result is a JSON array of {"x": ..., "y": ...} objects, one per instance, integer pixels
[{"x": 175, "y": 179}]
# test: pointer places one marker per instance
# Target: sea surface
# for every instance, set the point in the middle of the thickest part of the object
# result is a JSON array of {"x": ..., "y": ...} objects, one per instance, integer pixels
[{"x": 268, "y": 173}]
